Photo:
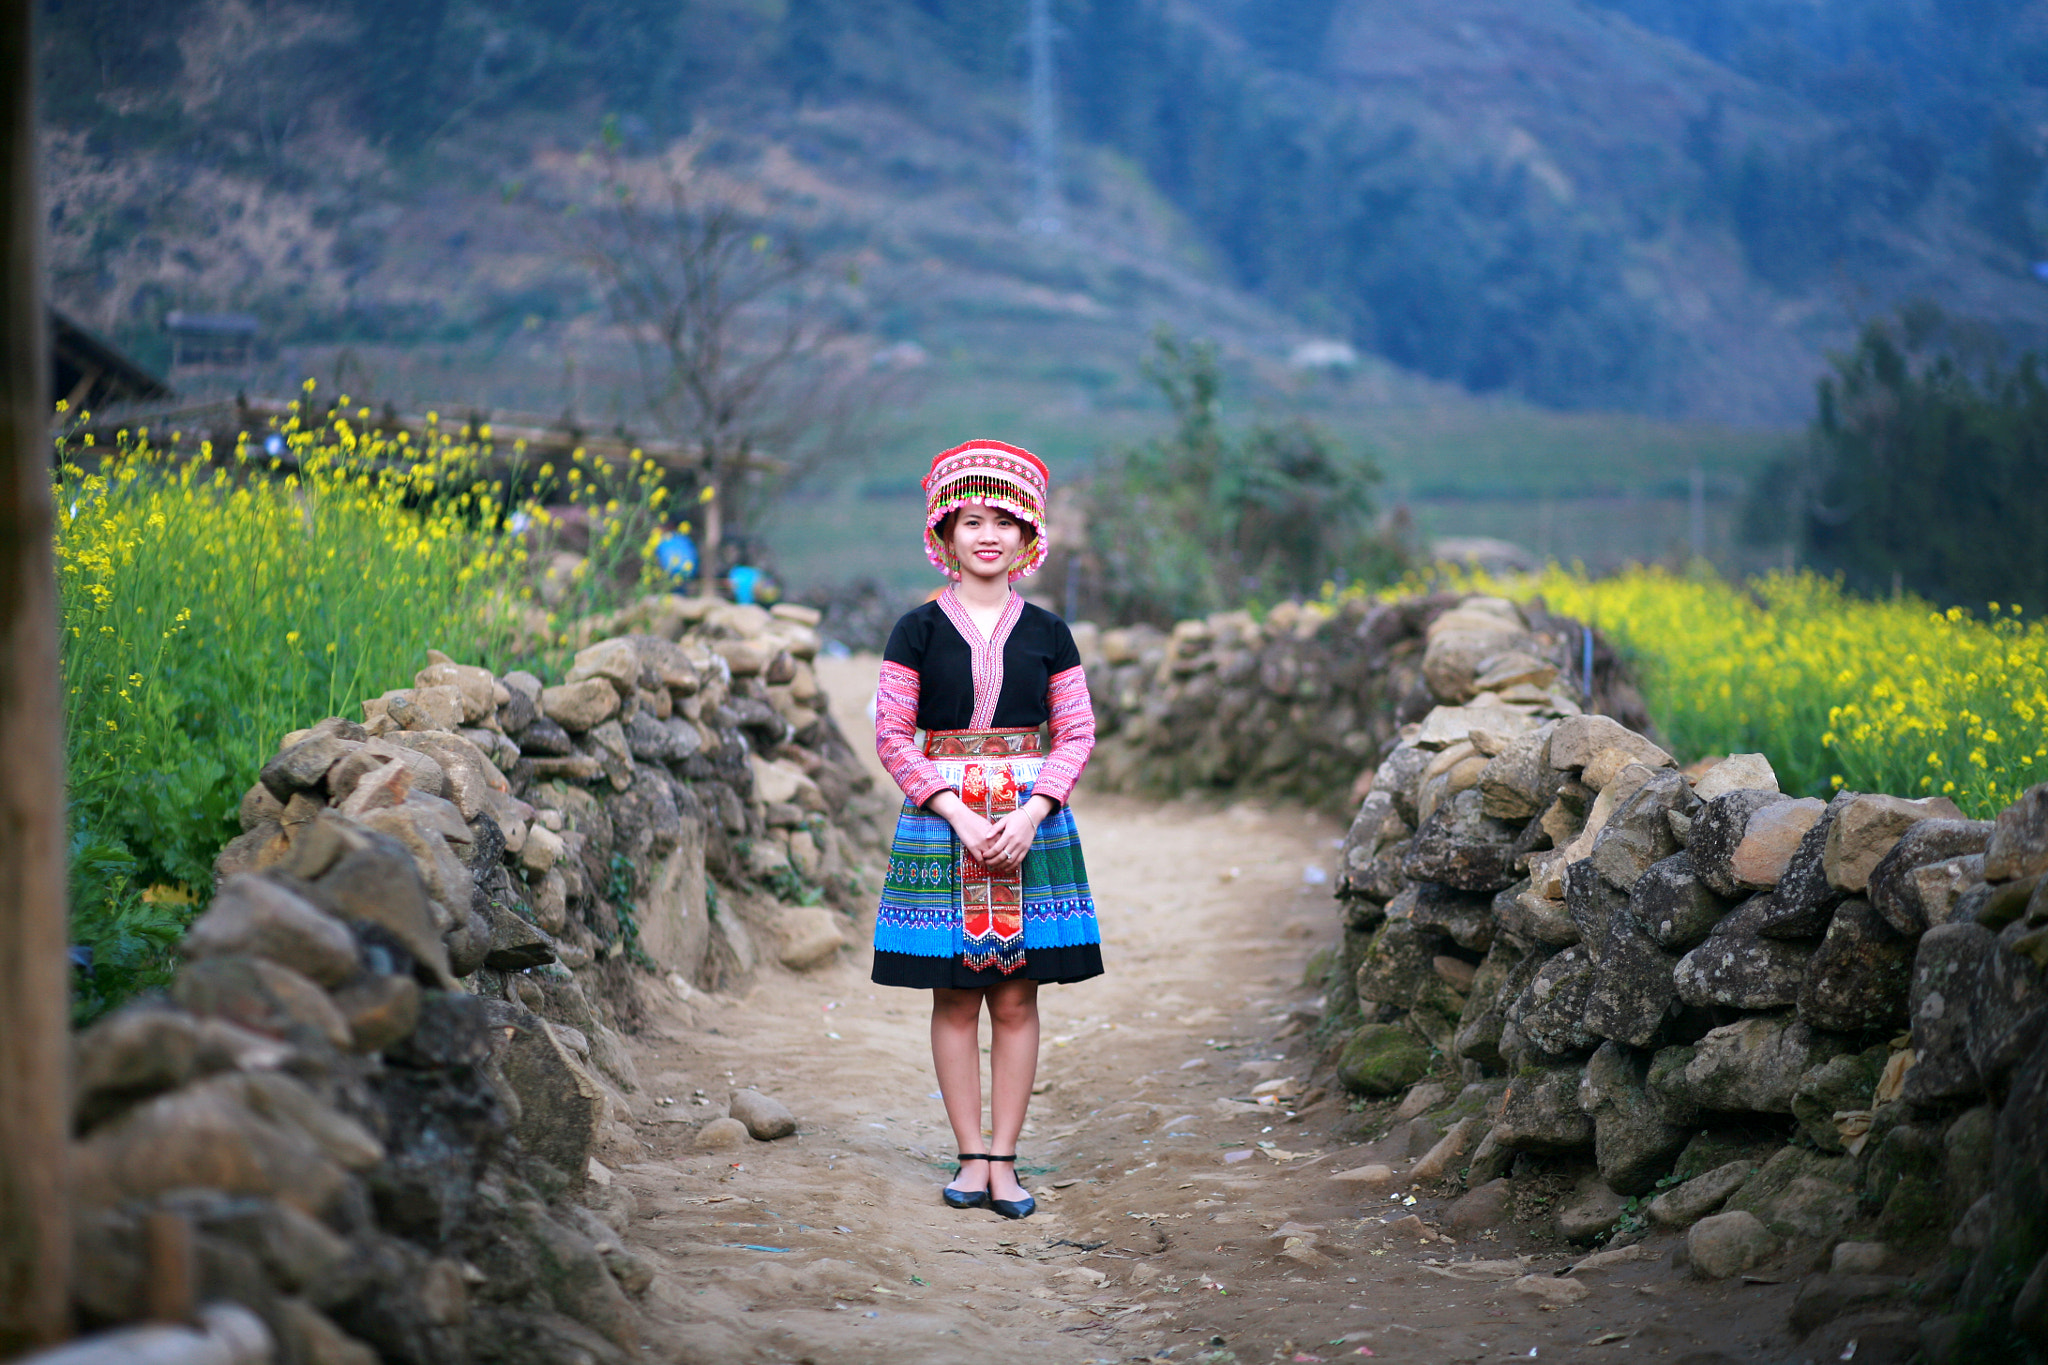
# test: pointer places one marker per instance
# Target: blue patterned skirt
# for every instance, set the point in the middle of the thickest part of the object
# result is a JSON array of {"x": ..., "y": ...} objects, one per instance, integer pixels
[{"x": 922, "y": 928}]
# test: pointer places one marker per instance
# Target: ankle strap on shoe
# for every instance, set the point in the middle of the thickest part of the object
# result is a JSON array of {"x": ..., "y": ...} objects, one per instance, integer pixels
[
  {"x": 979, "y": 1156},
  {"x": 1011, "y": 1157}
]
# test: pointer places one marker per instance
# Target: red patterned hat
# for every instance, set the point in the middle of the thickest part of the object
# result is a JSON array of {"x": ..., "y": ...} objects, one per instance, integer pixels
[{"x": 1005, "y": 476}]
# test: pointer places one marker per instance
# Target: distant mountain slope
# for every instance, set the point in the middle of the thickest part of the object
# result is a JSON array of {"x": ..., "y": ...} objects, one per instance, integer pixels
[
  {"x": 1552, "y": 199},
  {"x": 1545, "y": 199}
]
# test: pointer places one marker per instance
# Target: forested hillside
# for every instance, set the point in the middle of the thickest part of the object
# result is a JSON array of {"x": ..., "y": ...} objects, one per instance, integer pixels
[{"x": 1670, "y": 208}]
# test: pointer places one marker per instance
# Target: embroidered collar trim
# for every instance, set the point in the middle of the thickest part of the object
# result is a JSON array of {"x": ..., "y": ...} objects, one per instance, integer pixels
[{"x": 986, "y": 655}]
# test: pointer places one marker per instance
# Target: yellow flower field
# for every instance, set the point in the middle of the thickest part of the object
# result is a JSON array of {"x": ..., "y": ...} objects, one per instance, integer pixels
[
  {"x": 213, "y": 603},
  {"x": 1838, "y": 691}
]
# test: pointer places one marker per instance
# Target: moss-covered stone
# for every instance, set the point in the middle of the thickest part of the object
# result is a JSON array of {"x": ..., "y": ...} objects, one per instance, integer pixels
[
  {"x": 1914, "y": 1211},
  {"x": 1903, "y": 1151},
  {"x": 1382, "y": 1059},
  {"x": 1713, "y": 1148},
  {"x": 1967, "y": 1153},
  {"x": 1760, "y": 1195}
]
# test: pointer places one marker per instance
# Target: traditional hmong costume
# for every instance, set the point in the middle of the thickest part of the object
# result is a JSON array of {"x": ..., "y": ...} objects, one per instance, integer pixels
[{"x": 946, "y": 919}]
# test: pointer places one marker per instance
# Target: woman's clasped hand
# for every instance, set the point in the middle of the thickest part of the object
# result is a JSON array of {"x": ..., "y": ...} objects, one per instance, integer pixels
[{"x": 1001, "y": 844}]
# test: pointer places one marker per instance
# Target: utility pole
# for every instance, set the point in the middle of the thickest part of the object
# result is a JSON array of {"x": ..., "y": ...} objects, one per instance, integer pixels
[
  {"x": 1043, "y": 113},
  {"x": 35, "y": 1041}
]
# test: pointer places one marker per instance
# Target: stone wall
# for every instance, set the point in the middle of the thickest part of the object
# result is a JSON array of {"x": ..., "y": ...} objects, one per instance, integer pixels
[
  {"x": 1807, "y": 1032},
  {"x": 368, "y": 1107},
  {"x": 1303, "y": 704}
]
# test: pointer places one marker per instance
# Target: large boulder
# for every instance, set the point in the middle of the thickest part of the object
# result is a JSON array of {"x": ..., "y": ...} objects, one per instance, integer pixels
[
  {"x": 1464, "y": 917},
  {"x": 257, "y": 994},
  {"x": 1755, "y": 1064},
  {"x": 1947, "y": 966},
  {"x": 1461, "y": 639},
  {"x": 1737, "y": 966},
  {"x": 561, "y": 1105},
  {"x": 1633, "y": 988},
  {"x": 1898, "y": 892},
  {"x": 1551, "y": 1013},
  {"x": 1519, "y": 782},
  {"x": 211, "y": 1136},
  {"x": 1592, "y": 901},
  {"x": 1859, "y": 977},
  {"x": 1800, "y": 1192},
  {"x": 1460, "y": 846},
  {"x": 1803, "y": 899},
  {"x": 1674, "y": 906},
  {"x": 2008, "y": 1013},
  {"x": 139, "y": 1050},
  {"x": 1540, "y": 1112},
  {"x": 1865, "y": 827},
  {"x": 1633, "y": 1143},
  {"x": 1579, "y": 741},
  {"x": 1396, "y": 965},
  {"x": 2019, "y": 840},
  {"x": 257, "y": 916},
  {"x": 1639, "y": 832},
  {"x": 1528, "y": 915},
  {"x": 1724, "y": 854}
]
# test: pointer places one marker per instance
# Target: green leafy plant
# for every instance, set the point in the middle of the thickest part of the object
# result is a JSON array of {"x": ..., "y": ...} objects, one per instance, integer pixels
[
  {"x": 1204, "y": 519},
  {"x": 1635, "y": 1213},
  {"x": 618, "y": 889},
  {"x": 791, "y": 888},
  {"x": 123, "y": 943}
]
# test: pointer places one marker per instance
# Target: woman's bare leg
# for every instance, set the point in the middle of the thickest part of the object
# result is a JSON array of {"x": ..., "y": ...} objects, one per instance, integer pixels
[
  {"x": 956, "y": 1057},
  {"x": 1013, "y": 1064}
]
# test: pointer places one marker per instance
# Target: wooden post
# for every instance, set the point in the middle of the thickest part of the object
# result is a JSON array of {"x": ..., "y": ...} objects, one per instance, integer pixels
[
  {"x": 35, "y": 1043},
  {"x": 173, "y": 1270}
]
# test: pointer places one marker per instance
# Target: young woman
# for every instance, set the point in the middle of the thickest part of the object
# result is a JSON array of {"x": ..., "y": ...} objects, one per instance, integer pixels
[{"x": 986, "y": 895}]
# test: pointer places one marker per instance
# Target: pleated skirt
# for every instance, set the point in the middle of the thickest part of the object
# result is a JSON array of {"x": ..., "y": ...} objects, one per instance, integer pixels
[{"x": 921, "y": 926}]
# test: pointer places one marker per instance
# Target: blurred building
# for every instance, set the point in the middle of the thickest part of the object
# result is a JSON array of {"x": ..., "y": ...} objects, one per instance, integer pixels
[{"x": 88, "y": 373}]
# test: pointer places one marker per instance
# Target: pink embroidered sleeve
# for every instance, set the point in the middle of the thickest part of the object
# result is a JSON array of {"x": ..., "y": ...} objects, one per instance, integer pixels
[
  {"x": 1073, "y": 734},
  {"x": 896, "y": 734}
]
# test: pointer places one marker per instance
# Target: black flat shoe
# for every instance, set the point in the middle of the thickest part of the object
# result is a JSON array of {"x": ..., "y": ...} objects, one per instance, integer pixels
[
  {"x": 967, "y": 1199},
  {"x": 1011, "y": 1208}
]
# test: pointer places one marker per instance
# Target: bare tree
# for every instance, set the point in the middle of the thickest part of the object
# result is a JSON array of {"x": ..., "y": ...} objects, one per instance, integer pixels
[{"x": 733, "y": 321}]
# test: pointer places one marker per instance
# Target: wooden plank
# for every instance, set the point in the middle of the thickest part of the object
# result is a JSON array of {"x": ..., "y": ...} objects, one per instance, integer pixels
[{"x": 35, "y": 1043}]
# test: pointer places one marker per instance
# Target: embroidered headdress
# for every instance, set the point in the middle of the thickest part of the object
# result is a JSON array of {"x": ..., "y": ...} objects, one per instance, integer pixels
[{"x": 1005, "y": 476}]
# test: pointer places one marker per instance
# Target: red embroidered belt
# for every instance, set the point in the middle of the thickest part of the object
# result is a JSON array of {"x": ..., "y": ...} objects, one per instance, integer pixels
[
  {"x": 1015, "y": 743},
  {"x": 991, "y": 902}
]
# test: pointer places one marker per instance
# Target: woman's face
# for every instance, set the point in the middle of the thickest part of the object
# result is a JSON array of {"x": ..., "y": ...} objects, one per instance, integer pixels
[{"x": 986, "y": 541}]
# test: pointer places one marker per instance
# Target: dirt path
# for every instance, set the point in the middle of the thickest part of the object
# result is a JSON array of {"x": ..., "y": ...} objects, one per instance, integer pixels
[{"x": 1167, "y": 1198}]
